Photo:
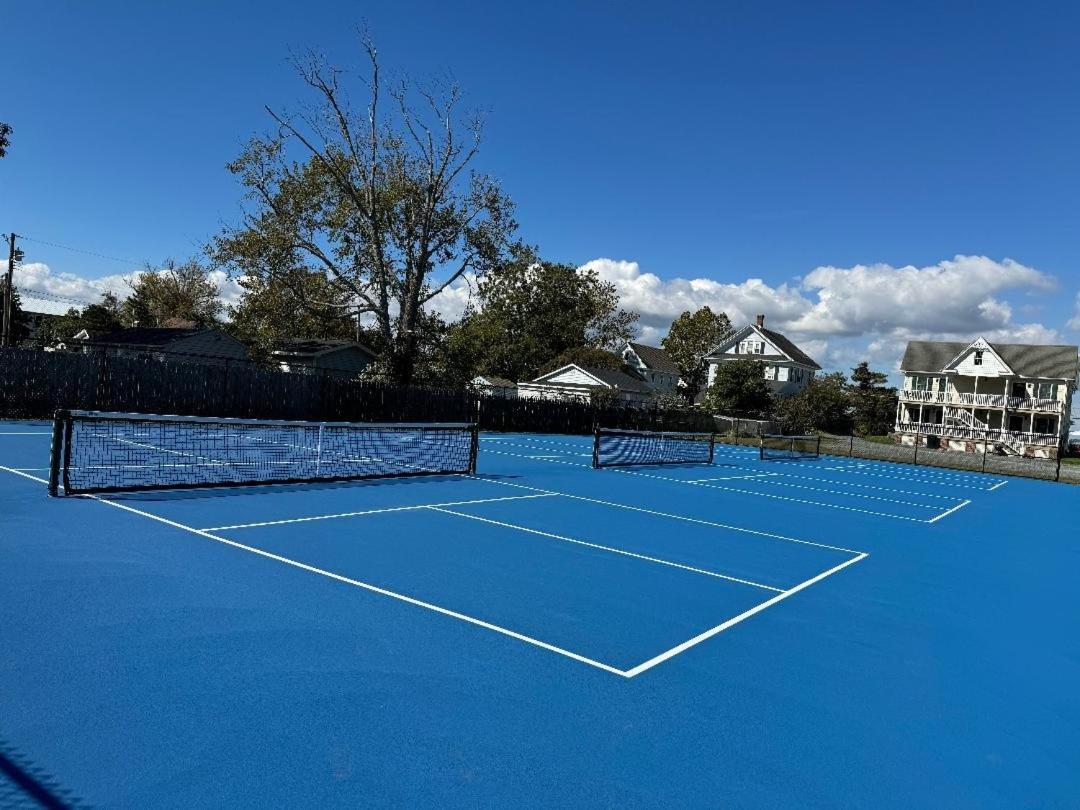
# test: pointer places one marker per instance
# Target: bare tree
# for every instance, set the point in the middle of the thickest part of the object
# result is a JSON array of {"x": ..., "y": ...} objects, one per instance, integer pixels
[{"x": 383, "y": 202}]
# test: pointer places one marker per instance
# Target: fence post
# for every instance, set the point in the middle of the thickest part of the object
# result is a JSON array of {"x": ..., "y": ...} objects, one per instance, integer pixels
[
  {"x": 918, "y": 437},
  {"x": 1057, "y": 470},
  {"x": 986, "y": 441},
  {"x": 851, "y": 441}
]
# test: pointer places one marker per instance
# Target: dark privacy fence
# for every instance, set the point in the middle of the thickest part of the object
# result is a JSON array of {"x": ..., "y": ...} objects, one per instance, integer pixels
[{"x": 34, "y": 384}]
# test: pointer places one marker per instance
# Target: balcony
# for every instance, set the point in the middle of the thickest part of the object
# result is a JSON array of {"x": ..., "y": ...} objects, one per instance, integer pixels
[
  {"x": 975, "y": 434},
  {"x": 982, "y": 401}
]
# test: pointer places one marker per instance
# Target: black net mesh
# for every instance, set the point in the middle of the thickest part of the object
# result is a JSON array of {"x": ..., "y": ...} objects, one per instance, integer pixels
[
  {"x": 623, "y": 448},
  {"x": 121, "y": 452}
]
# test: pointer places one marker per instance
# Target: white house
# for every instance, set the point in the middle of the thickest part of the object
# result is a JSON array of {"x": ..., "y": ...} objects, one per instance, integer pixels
[
  {"x": 492, "y": 386},
  {"x": 788, "y": 368},
  {"x": 653, "y": 365},
  {"x": 1015, "y": 397},
  {"x": 574, "y": 382}
]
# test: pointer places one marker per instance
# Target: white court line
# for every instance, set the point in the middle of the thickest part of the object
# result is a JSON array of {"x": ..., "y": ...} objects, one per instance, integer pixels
[
  {"x": 26, "y": 433},
  {"x": 867, "y": 486},
  {"x": 851, "y": 494},
  {"x": 733, "y": 477},
  {"x": 384, "y": 510},
  {"x": 748, "y": 491},
  {"x": 948, "y": 512},
  {"x": 914, "y": 478},
  {"x": 684, "y": 518},
  {"x": 652, "y": 662},
  {"x": 995, "y": 486},
  {"x": 720, "y": 628},
  {"x": 621, "y": 552},
  {"x": 349, "y": 581}
]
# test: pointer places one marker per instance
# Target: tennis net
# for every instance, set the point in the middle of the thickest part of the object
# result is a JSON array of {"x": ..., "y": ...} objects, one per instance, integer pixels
[
  {"x": 624, "y": 448},
  {"x": 120, "y": 452},
  {"x": 779, "y": 447}
]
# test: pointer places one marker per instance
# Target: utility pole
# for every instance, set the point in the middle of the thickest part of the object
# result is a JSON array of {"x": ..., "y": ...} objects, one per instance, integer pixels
[{"x": 9, "y": 309}]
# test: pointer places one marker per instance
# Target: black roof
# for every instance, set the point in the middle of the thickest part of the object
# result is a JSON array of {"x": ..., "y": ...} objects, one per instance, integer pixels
[
  {"x": 145, "y": 336},
  {"x": 310, "y": 347},
  {"x": 789, "y": 348},
  {"x": 654, "y": 358},
  {"x": 1027, "y": 360},
  {"x": 617, "y": 379}
]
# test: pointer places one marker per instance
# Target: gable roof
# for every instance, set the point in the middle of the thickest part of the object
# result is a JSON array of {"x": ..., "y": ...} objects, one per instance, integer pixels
[
  {"x": 494, "y": 382},
  {"x": 605, "y": 376},
  {"x": 617, "y": 379},
  {"x": 172, "y": 340},
  {"x": 1027, "y": 360},
  {"x": 790, "y": 349},
  {"x": 780, "y": 341},
  {"x": 311, "y": 348},
  {"x": 654, "y": 358},
  {"x": 145, "y": 336}
]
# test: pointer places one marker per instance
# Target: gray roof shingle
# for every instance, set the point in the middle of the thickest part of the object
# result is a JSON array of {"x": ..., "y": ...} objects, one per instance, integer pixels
[
  {"x": 655, "y": 359},
  {"x": 624, "y": 382},
  {"x": 789, "y": 348},
  {"x": 1027, "y": 360}
]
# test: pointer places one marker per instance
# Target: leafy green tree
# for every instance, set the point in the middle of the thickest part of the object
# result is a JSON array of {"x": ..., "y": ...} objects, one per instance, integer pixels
[
  {"x": 873, "y": 403},
  {"x": 693, "y": 335},
  {"x": 529, "y": 312},
  {"x": 172, "y": 291},
  {"x": 740, "y": 389},
  {"x": 587, "y": 356},
  {"x": 269, "y": 311},
  {"x": 381, "y": 200},
  {"x": 5, "y": 138},
  {"x": 823, "y": 405},
  {"x": 97, "y": 319}
]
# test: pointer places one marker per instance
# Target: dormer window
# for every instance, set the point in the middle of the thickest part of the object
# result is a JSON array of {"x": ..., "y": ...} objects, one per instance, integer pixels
[{"x": 978, "y": 357}]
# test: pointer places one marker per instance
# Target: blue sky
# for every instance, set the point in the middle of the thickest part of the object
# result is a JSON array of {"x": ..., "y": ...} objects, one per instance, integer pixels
[{"x": 753, "y": 156}]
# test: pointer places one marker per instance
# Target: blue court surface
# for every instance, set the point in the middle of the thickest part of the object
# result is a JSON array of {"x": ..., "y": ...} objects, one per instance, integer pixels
[{"x": 812, "y": 633}]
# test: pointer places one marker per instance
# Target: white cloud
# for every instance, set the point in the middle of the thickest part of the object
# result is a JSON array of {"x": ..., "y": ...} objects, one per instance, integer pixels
[
  {"x": 841, "y": 315},
  {"x": 38, "y": 277},
  {"x": 1074, "y": 324}
]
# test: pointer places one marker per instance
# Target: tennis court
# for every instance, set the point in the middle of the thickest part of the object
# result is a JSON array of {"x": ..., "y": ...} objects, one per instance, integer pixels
[{"x": 747, "y": 632}]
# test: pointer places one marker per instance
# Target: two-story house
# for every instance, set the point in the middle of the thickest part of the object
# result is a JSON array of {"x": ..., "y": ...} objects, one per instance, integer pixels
[
  {"x": 788, "y": 369},
  {"x": 653, "y": 366},
  {"x": 1011, "y": 397}
]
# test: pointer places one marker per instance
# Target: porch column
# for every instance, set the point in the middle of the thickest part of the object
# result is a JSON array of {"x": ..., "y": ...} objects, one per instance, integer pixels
[{"x": 920, "y": 413}]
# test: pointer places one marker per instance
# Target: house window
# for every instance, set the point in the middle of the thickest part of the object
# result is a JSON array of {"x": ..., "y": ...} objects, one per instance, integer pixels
[
  {"x": 770, "y": 372},
  {"x": 978, "y": 357},
  {"x": 1045, "y": 424},
  {"x": 782, "y": 374},
  {"x": 1045, "y": 391},
  {"x": 751, "y": 347},
  {"x": 919, "y": 383}
]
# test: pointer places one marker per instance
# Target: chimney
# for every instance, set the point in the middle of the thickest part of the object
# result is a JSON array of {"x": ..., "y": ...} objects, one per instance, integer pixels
[{"x": 760, "y": 321}]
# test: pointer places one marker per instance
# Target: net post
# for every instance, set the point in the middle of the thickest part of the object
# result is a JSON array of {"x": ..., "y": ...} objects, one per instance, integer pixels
[
  {"x": 596, "y": 447},
  {"x": 1061, "y": 446},
  {"x": 918, "y": 436},
  {"x": 68, "y": 428},
  {"x": 56, "y": 452},
  {"x": 986, "y": 443},
  {"x": 817, "y": 448},
  {"x": 474, "y": 446},
  {"x": 712, "y": 446},
  {"x": 761, "y": 447}
]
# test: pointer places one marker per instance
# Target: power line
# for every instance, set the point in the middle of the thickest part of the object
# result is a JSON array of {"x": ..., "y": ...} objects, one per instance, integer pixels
[
  {"x": 44, "y": 295},
  {"x": 84, "y": 252}
]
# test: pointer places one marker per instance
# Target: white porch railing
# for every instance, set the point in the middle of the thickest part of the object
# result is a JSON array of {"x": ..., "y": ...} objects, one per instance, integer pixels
[
  {"x": 958, "y": 432},
  {"x": 982, "y": 400}
]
